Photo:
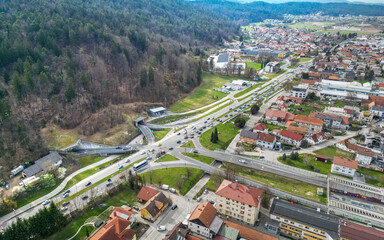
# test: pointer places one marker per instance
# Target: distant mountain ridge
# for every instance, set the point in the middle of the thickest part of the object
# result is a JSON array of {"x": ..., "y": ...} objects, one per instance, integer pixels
[{"x": 317, "y": 1}]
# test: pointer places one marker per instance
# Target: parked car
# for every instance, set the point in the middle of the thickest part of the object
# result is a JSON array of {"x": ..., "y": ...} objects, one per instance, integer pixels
[
  {"x": 65, "y": 203},
  {"x": 199, "y": 199},
  {"x": 88, "y": 184},
  {"x": 205, "y": 191},
  {"x": 211, "y": 202},
  {"x": 121, "y": 167},
  {"x": 109, "y": 184},
  {"x": 178, "y": 142},
  {"x": 127, "y": 161},
  {"x": 136, "y": 208},
  {"x": 172, "y": 190},
  {"x": 85, "y": 197},
  {"x": 63, "y": 209},
  {"x": 66, "y": 195},
  {"x": 66, "y": 191},
  {"x": 174, "y": 207},
  {"x": 121, "y": 176},
  {"x": 161, "y": 228},
  {"x": 46, "y": 202},
  {"x": 195, "y": 151}
]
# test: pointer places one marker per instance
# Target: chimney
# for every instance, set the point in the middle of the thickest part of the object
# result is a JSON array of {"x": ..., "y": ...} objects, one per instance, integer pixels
[{"x": 114, "y": 214}]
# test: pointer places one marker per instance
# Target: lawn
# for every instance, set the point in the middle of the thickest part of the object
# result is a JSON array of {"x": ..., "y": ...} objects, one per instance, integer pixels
[
  {"x": 188, "y": 144},
  {"x": 126, "y": 196},
  {"x": 305, "y": 59},
  {"x": 167, "y": 158},
  {"x": 212, "y": 185},
  {"x": 332, "y": 151},
  {"x": 339, "y": 104},
  {"x": 201, "y": 158},
  {"x": 273, "y": 75},
  {"x": 160, "y": 134},
  {"x": 226, "y": 132},
  {"x": 272, "y": 127},
  {"x": 89, "y": 159},
  {"x": 253, "y": 65},
  {"x": 175, "y": 177},
  {"x": 291, "y": 67},
  {"x": 379, "y": 181},
  {"x": 305, "y": 161},
  {"x": 299, "y": 188},
  {"x": 202, "y": 95},
  {"x": 305, "y": 108}
]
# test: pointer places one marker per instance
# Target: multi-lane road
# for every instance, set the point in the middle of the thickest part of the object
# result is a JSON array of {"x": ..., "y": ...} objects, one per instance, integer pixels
[{"x": 166, "y": 143}]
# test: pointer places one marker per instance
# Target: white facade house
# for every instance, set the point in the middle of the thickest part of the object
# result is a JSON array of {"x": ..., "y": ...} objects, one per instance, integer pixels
[
  {"x": 221, "y": 61},
  {"x": 377, "y": 111},
  {"x": 265, "y": 140},
  {"x": 300, "y": 91},
  {"x": 272, "y": 67},
  {"x": 290, "y": 137},
  {"x": 344, "y": 166},
  {"x": 204, "y": 221}
]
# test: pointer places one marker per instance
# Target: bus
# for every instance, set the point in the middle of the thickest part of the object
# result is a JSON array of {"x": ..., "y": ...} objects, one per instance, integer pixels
[{"x": 139, "y": 165}]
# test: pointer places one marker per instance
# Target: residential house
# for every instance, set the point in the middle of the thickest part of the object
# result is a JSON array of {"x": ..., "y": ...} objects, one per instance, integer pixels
[
  {"x": 265, "y": 140},
  {"x": 260, "y": 127},
  {"x": 51, "y": 161},
  {"x": 332, "y": 121},
  {"x": 180, "y": 232},
  {"x": 300, "y": 91},
  {"x": 377, "y": 111},
  {"x": 366, "y": 116},
  {"x": 299, "y": 222},
  {"x": 290, "y": 137},
  {"x": 354, "y": 231},
  {"x": 363, "y": 155},
  {"x": 297, "y": 130},
  {"x": 154, "y": 207},
  {"x": 124, "y": 212},
  {"x": 204, "y": 221},
  {"x": 239, "y": 201},
  {"x": 116, "y": 229},
  {"x": 344, "y": 166},
  {"x": 146, "y": 193},
  {"x": 278, "y": 117},
  {"x": 311, "y": 124},
  {"x": 317, "y": 138},
  {"x": 293, "y": 100},
  {"x": 248, "y": 233},
  {"x": 249, "y": 137}
]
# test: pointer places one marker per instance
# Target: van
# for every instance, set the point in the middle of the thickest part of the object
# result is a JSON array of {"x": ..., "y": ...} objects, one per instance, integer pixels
[
  {"x": 164, "y": 187},
  {"x": 172, "y": 190}
]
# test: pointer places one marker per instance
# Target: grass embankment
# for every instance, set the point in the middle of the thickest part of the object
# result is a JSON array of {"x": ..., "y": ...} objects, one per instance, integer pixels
[
  {"x": 188, "y": 144},
  {"x": 126, "y": 196},
  {"x": 305, "y": 59},
  {"x": 379, "y": 177},
  {"x": 167, "y": 158},
  {"x": 226, "y": 133},
  {"x": 160, "y": 134},
  {"x": 89, "y": 159},
  {"x": 308, "y": 162},
  {"x": 201, "y": 158},
  {"x": 175, "y": 177},
  {"x": 202, "y": 95},
  {"x": 273, "y": 75},
  {"x": 332, "y": 151},
  {"x": 256, "y": 66},
  {"x": 239, "y": 94},
  {"x": 299, "y": 188},
  {"x": 212, "y": 185}
]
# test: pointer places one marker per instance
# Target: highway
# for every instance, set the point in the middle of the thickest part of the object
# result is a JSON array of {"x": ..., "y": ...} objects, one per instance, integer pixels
[{"x": 171, "y": 141}]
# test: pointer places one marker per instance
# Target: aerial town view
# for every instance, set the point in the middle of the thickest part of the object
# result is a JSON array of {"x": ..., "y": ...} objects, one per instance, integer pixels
[{"x": 191, "y": 120}]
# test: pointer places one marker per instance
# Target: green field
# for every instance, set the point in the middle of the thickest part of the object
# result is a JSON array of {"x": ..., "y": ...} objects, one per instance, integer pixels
[
  {"x": 202, "y": 95},
  {"x": 201, "y": 158},
  {"x": 175, "y": 177},
  {"x": 188, "y": 144},
  {"x": 345, "y": 32},
  {"x": 332, "y": 151},
  {"x": 379, "y": 181},
  {"x": 126, "y": 196},
  {"x": 160, "y": 134},
  {"x": 305, "y": 59},
  {"x": 226, "y": 132},
  {"x": 272, "y": 127},
  {"x": 89, "y": 159},
  {"x": 306, "y": 160},
  {"x": 285, "y": 184},
  {"x": 212, "y": 184},
  {"x": 305, "y": 108},
  {"x": 273, "y": 75},
  {"x": 253, "y": 65},
  {"x": 167, "y": 158}
]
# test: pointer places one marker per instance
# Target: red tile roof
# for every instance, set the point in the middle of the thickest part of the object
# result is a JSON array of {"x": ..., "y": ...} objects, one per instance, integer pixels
[
  {"x": 345, "y": 162},
  {"x": 354, "y": 231},
  {"x": 284, "y": 115},
  {"x": 309, "y": 120},
  {"x": 260, "y": 127},
  {"x": 291, "y": 135},
  {"x": 296, "y": 99},
  {"x": 344, "y": 120},
  {"x": 298, "y": 130},
  {"x": 239, "y": 192},
  {"x": 205, "y": 213},
  {"x": 115, "y": 229},
  {"x": 359, "y": 149},
  {"x": 146, "y": 193},
  {"x": 249, "y": 233},
  {"x": 265, "y": 137},
  {"x": 117, "y": 211},
  {"x": 322, "y": 156}
]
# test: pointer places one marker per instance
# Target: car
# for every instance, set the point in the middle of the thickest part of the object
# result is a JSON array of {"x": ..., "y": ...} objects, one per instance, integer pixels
[
  {"x": 205, "y": 191},
  {"x": 63, "y": 209},
  {"x": 221, "y": 120},
  {"x": 205, "y": 122},
  {"x": 170, "y": 148},
  {"x": 127, "y": 161},
  {"x": 211, "y": 202},
  {"x": 199, "y": 199},
  {"x": 195, "y": 151},
  {"x": 136, "y": 208},
  {"x": 149, "y": 158},
  {"x": 143, "y": 152},
  {"x": 261, "y": 157},
  {"x": 109, "y": 184},
  {"x": 226, "y": 115},
  {"x": 174, "y": 207},
  {"x": 119, "y": 148},
  {"x": 231, "y": 114},
  {"x": 121, "y": 176},
  {"x": 192, "y": 137},
  {"x": 218, "y": 120},
  {"x": 66, "y": 195},
  {"x": 242, "y": 161},
  {"x": 109, "y": 180},
  {"x": 65, "y": 203},
  {"x": 88, "y": 184},
  {"x": 46, "y": 202},
  {"x": 66, "y": 191},
  {"x": 186, "y": 137},
  {"x": 85, "y": 197},
  {"x": 230, "y": 108},
  {"x": 178, "y": 142},
  {"x": 7, "y": 186},
  {"x": 121, "y": 167},
  {"x": 161, "y": 228}
]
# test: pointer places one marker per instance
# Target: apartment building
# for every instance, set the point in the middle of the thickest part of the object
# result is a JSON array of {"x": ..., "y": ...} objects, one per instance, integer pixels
[
  {"x": 239, "y": 201},
  {"x": 299, "y": 222},
  {"x": 344, "y": 166},
  {"x": 332, "y": 121},
  {"x": 311, "y": 124},
  {"x": 300, "y": 90},
  {"x": 355, "y": 200}
]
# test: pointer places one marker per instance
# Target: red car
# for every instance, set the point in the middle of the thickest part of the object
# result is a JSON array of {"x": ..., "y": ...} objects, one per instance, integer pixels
[
  {"x": 192, "y": 137},
  {"x": 121, "y": 176},
  {"x": 218, "y": 120}
]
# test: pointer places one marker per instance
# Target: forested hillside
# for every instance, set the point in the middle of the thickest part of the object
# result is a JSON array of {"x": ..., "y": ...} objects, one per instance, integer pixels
[
  {"x": 258, "y": 11},
  {"x": 62, "y": 60}
]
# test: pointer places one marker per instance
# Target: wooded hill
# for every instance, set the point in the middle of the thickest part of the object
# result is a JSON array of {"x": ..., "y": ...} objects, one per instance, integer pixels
[{"x": 62, "y": 60}]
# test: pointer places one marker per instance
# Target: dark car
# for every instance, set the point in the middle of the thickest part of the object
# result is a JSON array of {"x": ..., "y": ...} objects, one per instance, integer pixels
[
  {"x": 174, "y": 207},
  {"x": 178, "y": 142},
  {"x": 109, "y": 180},
  {"x": 136, "y": 208},
  {"x": 88, "y": 184},
  {"x": 195, "y": 151},
  {"x": 85, "y": 197},
  {"x": 65, "y": 203}
]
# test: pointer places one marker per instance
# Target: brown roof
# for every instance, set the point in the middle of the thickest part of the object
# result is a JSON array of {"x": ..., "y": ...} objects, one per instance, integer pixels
[
  {"x": 260, "y": 127},
  {"x": 115, "y": 229},
  {"x": 249, "y": 233},
  {"x": 309, "y": 120},
  {"x": 152, "y": 205},
  {"x": 344, "y": 120},
  {"x": 146, "y": 193},
  {"x": 179, "y": 230},
  {"x": 354, "y": 231},
  {"x": 296, "y": 99},
  {"x": 322, "y": 156},
  {"x": 359, "y": 149},
  {"x": 239, "y": 192},
  {"x": 298, "y": 130},
  {"x": 117, "y": 211},
  {"x": 205, "y": 213},
  {"x": 265, "y": 137},
  {"x": 291, "y": 135},
  {"x": 345, "y": 162}
]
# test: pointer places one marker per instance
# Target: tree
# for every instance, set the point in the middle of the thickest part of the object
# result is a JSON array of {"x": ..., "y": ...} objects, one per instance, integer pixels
[
  {"x": 70, "y": 92},
  {"x": 304, "y": 143},
  {"x": 284, "y": 157},
  {"x": 255, "y": 109},
  {"x": 18, "y": 86},
  {"x": 143, "y": 77},
  {"x": 240, "y": 122},
  {"x": 216, "y": 136},
  {"x": 305, "y": 75},
  {"x": 311, "y": 95},
  {"x": 151, "y": 74},
  {"x": 6, "y": 77}
]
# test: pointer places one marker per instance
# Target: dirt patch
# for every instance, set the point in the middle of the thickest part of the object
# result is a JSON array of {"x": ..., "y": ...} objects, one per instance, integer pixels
[{"x": 309, "y": 194}]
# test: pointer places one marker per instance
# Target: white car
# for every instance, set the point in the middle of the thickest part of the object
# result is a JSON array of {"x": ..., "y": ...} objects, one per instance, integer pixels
[
  {"x": 241, "y": 160},
  {"x": 46, "y": 202},
  {"x": 161, "y": 228},
  {"x": 63, "y": 209},
  {"x": 127, "y": 161}
]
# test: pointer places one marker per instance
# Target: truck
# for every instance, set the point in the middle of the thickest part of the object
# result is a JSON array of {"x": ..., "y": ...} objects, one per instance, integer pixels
[
  {"x": 17, "y": 170},
  {"x": 30, "y": 181}
]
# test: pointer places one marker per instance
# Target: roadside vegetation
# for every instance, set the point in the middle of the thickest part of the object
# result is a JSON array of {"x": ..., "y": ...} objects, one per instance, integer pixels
[
  {"x": 89, "y": 159},
  {"x": 201, "y": 158},
  {"x": 226, "y": 132},
  {"x": 202, "y": 95},
  {"x": 273, "y": 75},
  {"x": 167, "y": 158},
  {"x": 180, "y": 178},
  {"x": 160, "y": 134},
  {"x": 212, "y": 185},
  {"x": 332, "y": 151},
  {"x": 188, "y": 144},
  {"x": 307, "y": 162},
  {"x": 247, "y": 90}
]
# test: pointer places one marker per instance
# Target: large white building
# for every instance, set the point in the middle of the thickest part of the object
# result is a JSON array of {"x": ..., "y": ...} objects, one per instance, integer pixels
[
  {"x": 340, "y": 90},
  {"x": 300, "y": 91},
  {"x": 344, "y": 166}
]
